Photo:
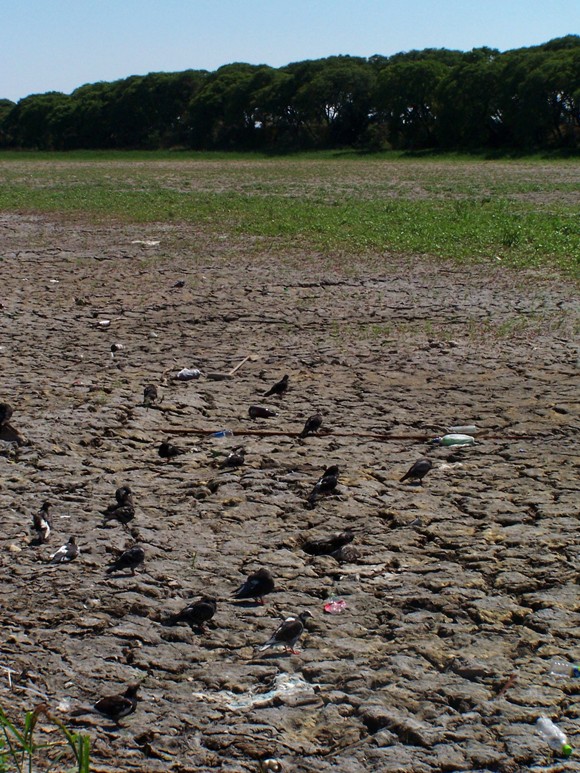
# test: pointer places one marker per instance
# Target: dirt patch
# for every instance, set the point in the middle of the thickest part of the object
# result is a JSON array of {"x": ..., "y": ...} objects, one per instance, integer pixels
[{"x": 451, "y": 587}]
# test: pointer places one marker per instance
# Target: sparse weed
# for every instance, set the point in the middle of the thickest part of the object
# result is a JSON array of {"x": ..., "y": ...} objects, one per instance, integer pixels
[
  {"x": 20, "y": 750},
  {"x": 522, "y": 213}
]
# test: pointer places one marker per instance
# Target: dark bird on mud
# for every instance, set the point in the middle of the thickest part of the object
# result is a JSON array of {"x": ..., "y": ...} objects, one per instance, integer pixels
[
  {"x": 235, "y": 459},
  {"x": 115, "y": 707},
  {"x": 259, "y": 412},
  {"x": 41, "y": 524},
  {"x": 66, "y": 553},
  {"x": 129, "y": 559},
  {"x": 124, "y": 508},
  {"x": 168, "y": 451},
  {"x": 150, "y": 395},
  {"x": 418, "y": 471},
  {"x": 6, "y": 412},
  {"x": 312, "y": 425},
  {"x": 328, "y": 545},
  {"x": 195, "y": 614},
  {"x": 258, "y": 585},
  {"x": 279, "y": 388},
  {"x": 326, "y": 484},
  {"x": 180, "y": 283},
  {"x": 288, "y": 633}
]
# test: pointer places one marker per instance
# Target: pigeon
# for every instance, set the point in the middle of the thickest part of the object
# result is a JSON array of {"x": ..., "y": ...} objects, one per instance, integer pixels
[
  {"x": 168, "y": 451},
  {"x": 129, "y": 559},
  {"x": 235, "y": 459},
  {"x": 195, "y": 614},
  {"x": 326, "y": 484},
  {"x": 258, "y": 585},
  {"x": 328, "y": 545},
  {"x": 6, "y": 412},
  {"x": 116, "y": 707},
  {"x": 258, "y": 412},
  {"x": 124, "y": 508},
  {"x": 313, "y": 424},
  {"x": 150, "y": 395},
  {"x": 66, "y": 553},
  {"x": 288, "y": 633},
  {"x": 418, "y": 471},
  {"x": 180, "y": 283},
  {"x": 41, "y": 523},
  {"x": 279, "y": 388}
]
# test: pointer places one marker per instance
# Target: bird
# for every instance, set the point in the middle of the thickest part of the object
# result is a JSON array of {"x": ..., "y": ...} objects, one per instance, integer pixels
[
  {"x": 327, "y": 546},
  {"x": 288, "y": 633},
  {"x": 313, "y": 424},
  {"x": 234, "y": 459},
  {"x": 258, "y": 585},
  {"x": 279, "y": 388},
  {"x": 150, "y": 395},
  {"x": 180, "y": 283},
  {"x": 129, "y": 559},
  {"x": 6, "y": 412},
  {"x": 66, "y": 553},
  {"x": 41, "y": 524},
  {"x": 418, "y": 471},
  {"x": 195, "y": 614},
  {"x": 259, "y": 412},
  {"x": 326, "y": 484},
  {"x": 168, "y": 451},
  {"x": 123, "y": 510},
  {"x": 116, "y": 707}
]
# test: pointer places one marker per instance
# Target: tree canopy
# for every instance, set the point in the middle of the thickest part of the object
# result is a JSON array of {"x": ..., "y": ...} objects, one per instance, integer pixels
[{"x": 525, "y": 99}]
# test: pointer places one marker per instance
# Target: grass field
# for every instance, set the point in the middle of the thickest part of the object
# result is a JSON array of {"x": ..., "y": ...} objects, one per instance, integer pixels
[{"x": 521, "y": 213}]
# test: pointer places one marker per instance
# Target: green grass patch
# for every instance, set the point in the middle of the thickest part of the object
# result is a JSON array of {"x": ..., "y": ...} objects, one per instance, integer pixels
[{"x": 523, "y": 214}]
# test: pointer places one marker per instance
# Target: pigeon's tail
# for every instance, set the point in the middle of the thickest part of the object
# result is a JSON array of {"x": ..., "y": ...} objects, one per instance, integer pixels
[
  {"x": 405, "y": 476},
  {"x": 111, "y": 569}
]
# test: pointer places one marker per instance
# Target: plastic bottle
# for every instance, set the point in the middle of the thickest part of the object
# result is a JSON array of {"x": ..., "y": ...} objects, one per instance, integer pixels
[
  {"x": 335, "y": 606},
  {"x": 454, "y": 440},
  {"x": 559, "y": 667},
  {"x": 223, "y": 433},
  {"x": 553, "y": 736},
  {"x": 464, "y": 429}
]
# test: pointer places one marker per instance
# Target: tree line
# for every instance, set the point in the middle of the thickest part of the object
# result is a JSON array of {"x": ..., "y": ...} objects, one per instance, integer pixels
[{"x": 525, "y": 99}]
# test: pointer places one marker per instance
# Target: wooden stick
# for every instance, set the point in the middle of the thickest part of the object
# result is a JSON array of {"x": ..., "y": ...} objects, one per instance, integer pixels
[
  {"x": 329, "y": 433},
  {"x": 239, "y": 365}
]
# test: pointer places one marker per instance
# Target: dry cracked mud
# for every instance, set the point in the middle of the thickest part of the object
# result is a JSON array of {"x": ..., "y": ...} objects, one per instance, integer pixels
[{"x": 458, "y": 592}]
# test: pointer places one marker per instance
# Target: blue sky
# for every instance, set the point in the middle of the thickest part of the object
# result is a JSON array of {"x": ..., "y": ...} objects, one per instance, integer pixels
[{"x": 58, "y": 45}]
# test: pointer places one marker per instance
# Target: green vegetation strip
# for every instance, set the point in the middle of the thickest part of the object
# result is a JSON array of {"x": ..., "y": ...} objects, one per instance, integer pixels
[{"x": 523, "y": 216}]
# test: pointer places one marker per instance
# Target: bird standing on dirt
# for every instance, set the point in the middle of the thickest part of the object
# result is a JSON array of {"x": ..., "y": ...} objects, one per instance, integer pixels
[
  {"x": 235, "y": 459},
  {"x": 116, "y": 707},
  {"x": 418, "y": 471},
  {"x": 288, "y": 633},
  {"x": 258, "y": 585},
  {"x": 328, "y": 545},
  {"x": 6, "y": 412},
  {"x": 66, "y": 553},
  {"x": 312, "y": 425},
  {"x": 124, "y": 508},
  {"x": 195, "y": 614},
  {"x": 280, "y": 387},
  {"x": 150, "y": 395},
  {"x": 168, "y": 451},
  {"x": 129, "y": 559},
  {"x": 259, "y": 412},
  {"x": 41, "y": 524},
  {"x": 326, "y": 484}
]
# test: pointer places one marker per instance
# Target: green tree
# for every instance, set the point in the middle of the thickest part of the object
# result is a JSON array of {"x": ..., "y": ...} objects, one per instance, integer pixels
[{"x": 406, "y": 99}]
